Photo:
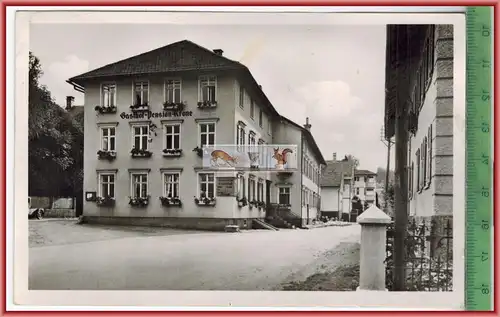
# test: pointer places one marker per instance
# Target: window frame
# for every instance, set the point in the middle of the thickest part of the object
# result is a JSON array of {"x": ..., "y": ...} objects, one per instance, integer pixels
[
  {"x": 142, "y": 82},
  {"x": 429, "y": 154},
  {"x": 240, "y": 186},
  {"x": 199, "y": 183},
  {"x": 140, "y": 125},
  {"x": 261, "y": 117},
  {"x": 165, "y": 128},
  {"x": 206, "y": 122},
  {"x": 240, "y": 136},
  {"x": 100, "y": 183},
  {"x": 101, "y": 132},
  {"x": 241, "y": 97},
  {"x": 101, "y": 91},
  {"x": 208, "y": 79},
  {"x": 165, "y": 174},
  {"x": 287, "y": 188},
  {"x": 175, "y": 80},
  {"x": 417, "y": 159},
  {"x": 132, "y": 183},
  {"x": 252, "y": 109}
]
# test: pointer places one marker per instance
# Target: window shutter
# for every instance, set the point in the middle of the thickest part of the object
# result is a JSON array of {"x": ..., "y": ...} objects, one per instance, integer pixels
[{"x": 429, "y": 145}]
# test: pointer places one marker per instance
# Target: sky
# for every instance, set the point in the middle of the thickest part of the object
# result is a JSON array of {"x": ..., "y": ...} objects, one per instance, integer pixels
[{"x": 333, "y": 74}]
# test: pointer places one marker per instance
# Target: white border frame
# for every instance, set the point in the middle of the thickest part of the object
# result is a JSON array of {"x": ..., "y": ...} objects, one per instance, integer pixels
[{"x": 200, "y": 300}]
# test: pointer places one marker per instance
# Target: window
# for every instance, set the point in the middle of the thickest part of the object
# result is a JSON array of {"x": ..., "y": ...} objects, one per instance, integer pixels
[
  {"x": 241, "y": 186},
  {"x": 206, "y": 185},
  {"x": 242, "y": 97},
  {"x": 261, "y": 151},
  {"x": 107, "y": 185},
  {"x": 141, "y": 90},
  {"x": 356, "y": 179},
  {"x": 171, "y": 185},
  {"x": 108, "y": 95},
  {"x": 303, "y": 196},
  {"x": 269, "y": 127},
  {"x": 260, "y": 117},
  {"x": 207, "y": 133},
  {"x": 417, "y": 154},
  {"x": 139, "y": 185},
  {"x": 108, "y": 135},
  {"x": 284, "y": 195},
  {"x": 208, "y": 88},
  {"x": 429, "y": 155},
  {"x": 141, "y": 137},
  {"x": 251, "y": 140},
  {"x": 252, "y": 109},
  {"x": 172, "y": 136},
  {"x": 357, "y": 190},
  {"x": 240, "y": 135},
  {"x": 251, "y": 189},
  {"x": 173, "y": 90}
]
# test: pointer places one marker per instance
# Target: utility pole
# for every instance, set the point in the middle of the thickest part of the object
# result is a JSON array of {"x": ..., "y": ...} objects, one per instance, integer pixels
[{"x": 403, "y": 67}]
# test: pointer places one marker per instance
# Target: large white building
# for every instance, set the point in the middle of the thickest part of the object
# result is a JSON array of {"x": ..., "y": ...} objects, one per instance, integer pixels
[
  {"x": 148, "y": 116},
  {"x": 365, "y": 185}
]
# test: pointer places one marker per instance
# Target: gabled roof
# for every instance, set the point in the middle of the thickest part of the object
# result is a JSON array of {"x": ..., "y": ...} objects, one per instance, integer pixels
[
  {"x": 310, "y": 139},
  {"x": 364, "y": 173},
  {"x": 335, "y": 171},
  {"x": 178, "y": 56}
]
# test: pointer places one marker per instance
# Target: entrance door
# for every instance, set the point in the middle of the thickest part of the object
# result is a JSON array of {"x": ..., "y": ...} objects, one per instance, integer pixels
[{"x": 268, "y": 197}]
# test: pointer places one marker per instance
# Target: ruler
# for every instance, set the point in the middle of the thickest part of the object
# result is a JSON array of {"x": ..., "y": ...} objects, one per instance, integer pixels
[{"x": 479, "y": 158}]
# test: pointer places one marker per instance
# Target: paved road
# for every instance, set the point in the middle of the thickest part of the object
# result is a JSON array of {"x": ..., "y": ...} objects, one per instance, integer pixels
[{"x": 251, "y": 260}]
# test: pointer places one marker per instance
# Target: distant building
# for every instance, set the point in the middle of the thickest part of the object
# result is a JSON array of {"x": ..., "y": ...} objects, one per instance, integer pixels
[
  {"x": 365, "y": 185},
  {"x": 337, "y": 187},
  {"x": 148, "y": 119},
  {"x": 424, "y": 53}
]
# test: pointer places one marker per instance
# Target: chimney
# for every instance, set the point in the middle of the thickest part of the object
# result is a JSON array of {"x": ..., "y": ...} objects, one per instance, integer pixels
[
  {"x": 334, "y": 156},
  {"x": 69, "y": 102},
  {"x": 218, "y": 51},
  {"x": 307, "y": 125}
]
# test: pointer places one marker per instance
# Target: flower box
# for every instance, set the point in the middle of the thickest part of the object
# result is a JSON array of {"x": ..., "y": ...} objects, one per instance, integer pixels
[
  {"x": 105, "y": 109},
  {"x": 207, "y": 104},
  {"x": 242, "y": 202},
  {"x": 173, "y": 106},
  {"x": 105, "y": 201},
  {"x": 106, "y": 155},
  {"x": 139, "y": 201},
  {"x": 199, "y": 151},
  {"x": 139, "y": 107},
  {"x": 140, "y": 153},
  {"x": 205, "y": 201},
  {"x": 170, "y": 202},
  {"x": 172, "y": 152}
]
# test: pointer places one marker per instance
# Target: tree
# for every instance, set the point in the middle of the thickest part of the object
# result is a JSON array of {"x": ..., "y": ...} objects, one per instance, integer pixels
[
  {"x": 352, "y": 158},
  {"x": 55, "y": 139}
]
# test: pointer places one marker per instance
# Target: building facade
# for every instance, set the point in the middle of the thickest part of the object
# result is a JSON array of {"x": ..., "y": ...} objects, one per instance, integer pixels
[
  {"x": 365, "y": 185},
  {"x": 337, "y": 183},
  {"x": 148, "y": 119},
  {"x": 430, "y": 144}
]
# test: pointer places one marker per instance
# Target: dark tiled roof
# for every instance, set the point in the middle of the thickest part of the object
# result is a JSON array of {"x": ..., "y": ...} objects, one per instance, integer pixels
[
  {"x": 364, "y": 172},
  {"x": 310, "y": 139},
  {"x": 335, "y": 171},
  {"x": 179, "y": 56}
]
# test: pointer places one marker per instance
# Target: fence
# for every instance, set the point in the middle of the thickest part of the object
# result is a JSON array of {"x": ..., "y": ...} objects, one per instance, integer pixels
[{"x": 428, "y": 257}]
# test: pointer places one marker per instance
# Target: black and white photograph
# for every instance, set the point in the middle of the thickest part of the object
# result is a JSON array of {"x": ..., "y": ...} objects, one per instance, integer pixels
[{"x": 294, "y": 153}]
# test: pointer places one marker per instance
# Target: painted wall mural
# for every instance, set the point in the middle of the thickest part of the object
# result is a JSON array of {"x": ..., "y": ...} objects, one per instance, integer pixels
[{"x": 270, "y": 157}]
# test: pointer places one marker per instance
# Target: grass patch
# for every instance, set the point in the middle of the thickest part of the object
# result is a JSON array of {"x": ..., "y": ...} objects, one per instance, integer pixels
[{"x": 344, "y": 278}]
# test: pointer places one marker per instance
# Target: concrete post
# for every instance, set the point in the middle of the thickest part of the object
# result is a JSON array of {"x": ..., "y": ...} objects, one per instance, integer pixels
[{"x": 373, "y": 223}]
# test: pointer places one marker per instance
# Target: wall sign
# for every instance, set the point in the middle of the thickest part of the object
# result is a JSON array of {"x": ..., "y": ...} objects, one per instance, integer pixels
[
  {"x": 90, "y": 196},
  {"x": 225, "y": 186},
  {"x": 150, "y": 114}
]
